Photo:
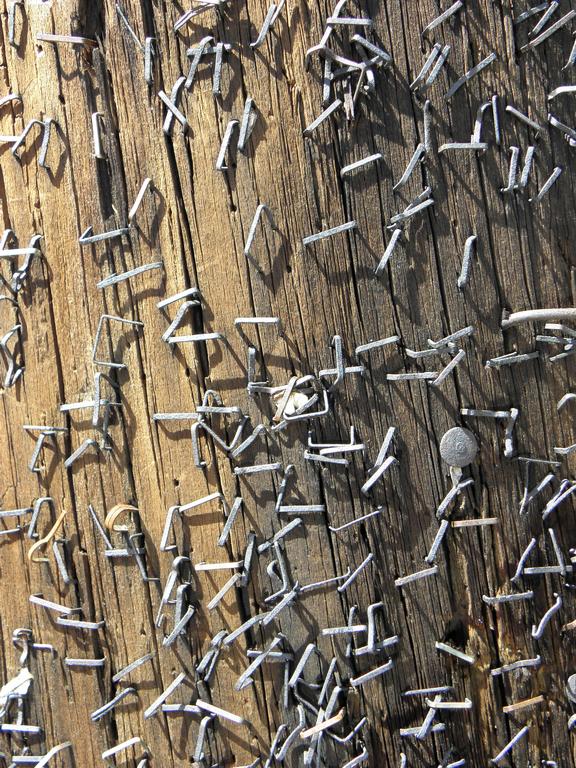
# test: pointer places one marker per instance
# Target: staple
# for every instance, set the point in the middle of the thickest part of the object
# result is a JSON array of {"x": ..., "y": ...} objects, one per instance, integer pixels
[
  {"x": 49, "y": 605},
  {"x": 401, "y": 582},
  {"x": 358, "y": 759},
  {"x": 132, "y": 666},
  {"x": 548, "y": 184},
  {"x": 349, "y": 225},
  {"x": 196, "y": 53},
  {"x": 61, "y": 561},
  {"x": 217, "y": 74},
  {"x": 537, "y": 631},
  {"x": 511, "y": 359},
  {"x": 200, "y": 567},
  {"x": 431, "y": 556},
  {"x": 420, "y": 376},
  {"x": 44, "y": 126},
  {"x": 193, "y": 293},
  {"x": 156, "y": 704},
  {"x": 472, "y": 146},
  {"x": 332, "y": 631},
  {"x": 268, "y": 21},
  {"x": 569, "y": 133},
  {"x": 12, "y": 21},
  {"x": 281, "y": 754},
  {"x": 417, "y": 156},
  {"x": 248, "y": 558},
  {"x": 483, "y": 413},
  {"x": 172, "y": 108},
  {"x": 470, "y": 74},
  {"x": 114, "y": 278},
  {"x": 565, "y": 399},
  {"x": 246, "y": 679},
  {"x": 308, "y": 456},
  {"x": 129, "y": 29},
  {"x": 466, "y": 704},
  {"x": 13, "y": 370},
  {"x": 455, "y": 491},
  {"x": 439, "y": 63},
  {"x": 327, "y": 79},
  {"x": 406, "y": 732},
  {"x": 20, "y": 728},
  {"x": 508, "y": 434},
  {"x": 45, "y": 37},
  {"x": 527, "y": 14},
  {"x": 356, "y": 682},
  {"x": 571, "y": 58},
  {"x": 178, "y": 627},
  {"x": 218, "y": 712},
  {"x": 549, "y": 31},
  {"x": 247, "y": 123},
  {"x": 448, "y": 13},
  {"x": 407, "y": 213},
  {"x": 168, "y": 336},
  {"x": 87, "y": 238},
  {"x": 474, "y": 522},
  {"x": 148, "y": 59},
  {"x": 445, "y": 372},
  {"x": 262, "y": 207},
  {"x": 428, "y": 720},
  {"x": 503, "y": 752},
  {"x": 547, "y": 569},
  {"x": 439, "y": 689},
  {"x": 432, "y": 56},
  {"x": 145, "y": 186},
  {"x": 530, "y": 495},
  {"x": 380, "y": 56},
  {"x": 109, "y": 753},
  {"x": 9, "y": 98},
  {"x": 99, "y": 527},
  {"x": 528, "y": 158},
  {"x": 496, "y": 600},
  {"x": 281, "y": 534},
  {"x": 427, "y": 125},
  {"x": 360, "y": 163},
  {"x": 376, "y": 647},
  {"x": 477, "y": 132},
  {"x": 354, "y": 575},
  {"x": 557, "y": 550},
  {"x": 204, "y": 5},
  {"x": 43, "y": 152},
  {"x": 561, "y": 495},
  {"x": 258, "y": 468},
  {"x": 45, "y": 759},
  {"x": 512, "y": 171},
  {"x": 234, "y": 509},
  {"x": 288, "y": 598},
  {"x": 522, "y": 704},
  {"x": 198, "y": 755},
  {"x": 82, "y": 448},
  {"x": 109, "y": 706},
  {"x": 248, "y": 624},
  {"x": 180, "y": 709},
  {"x": 456, "y": 336},
  {"x": 325, "y": 582},
  {"x": 419, "y": 354},
  {"x": 396, "y": 234},
  {"x": 92, "y": 626},
  {"x": 221, "y": 159},
  {"x": 454, "y": 764},
  {"x": 454, "y": 652},
  {"x": 524, "y": 118},
  {"x": 334, "y": 106}
]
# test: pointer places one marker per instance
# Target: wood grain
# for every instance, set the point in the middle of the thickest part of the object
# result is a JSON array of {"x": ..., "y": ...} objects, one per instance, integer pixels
[{"x": 196, "y": 222}]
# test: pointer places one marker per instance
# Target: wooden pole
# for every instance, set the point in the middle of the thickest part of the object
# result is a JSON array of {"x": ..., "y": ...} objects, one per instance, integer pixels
[{"x": 196, "y": 220}]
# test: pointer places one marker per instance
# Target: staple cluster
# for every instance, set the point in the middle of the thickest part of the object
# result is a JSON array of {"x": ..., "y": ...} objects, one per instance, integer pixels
[{"x": 287, "y": 359}]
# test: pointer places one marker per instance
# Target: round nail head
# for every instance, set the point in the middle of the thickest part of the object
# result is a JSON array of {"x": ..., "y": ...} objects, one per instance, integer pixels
[
  {"x": 458, "y": 447},
  {"x": 571, "y": 688}
]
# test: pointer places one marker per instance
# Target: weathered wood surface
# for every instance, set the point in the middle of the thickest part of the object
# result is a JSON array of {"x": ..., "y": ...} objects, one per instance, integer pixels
[{"x": 196, "y": 222}]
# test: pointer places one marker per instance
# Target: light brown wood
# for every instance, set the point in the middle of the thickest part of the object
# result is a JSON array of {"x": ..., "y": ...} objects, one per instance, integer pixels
[{"x": 196, "y": 221}]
